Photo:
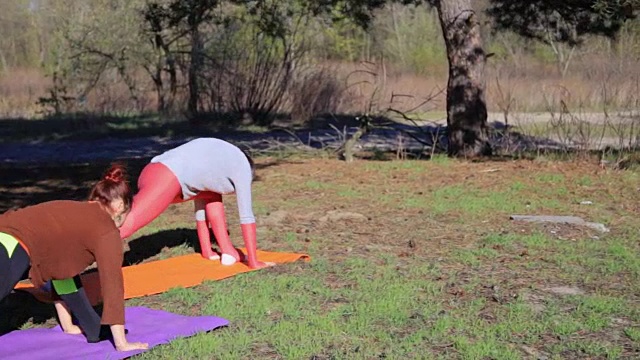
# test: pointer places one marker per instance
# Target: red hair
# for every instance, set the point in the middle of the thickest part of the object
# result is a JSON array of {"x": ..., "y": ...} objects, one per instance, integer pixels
[{"x": 112, "y": 186}]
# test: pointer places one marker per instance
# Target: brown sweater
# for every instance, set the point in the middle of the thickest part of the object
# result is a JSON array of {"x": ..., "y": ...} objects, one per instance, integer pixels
[{"x": 63, "y": 239}]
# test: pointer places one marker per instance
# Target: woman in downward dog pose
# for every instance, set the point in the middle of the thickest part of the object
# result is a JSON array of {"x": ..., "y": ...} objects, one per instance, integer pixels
[
  {"x": 58, "y": 240},
  {"x": 201, "y": 170}
]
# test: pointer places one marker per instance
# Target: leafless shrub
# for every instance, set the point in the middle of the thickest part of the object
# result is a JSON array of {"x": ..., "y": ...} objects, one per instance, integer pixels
[
  {"x": 315, "y": 92},
  {"x": 578, "y": 129},
  {"x": 259, "y": 83}
]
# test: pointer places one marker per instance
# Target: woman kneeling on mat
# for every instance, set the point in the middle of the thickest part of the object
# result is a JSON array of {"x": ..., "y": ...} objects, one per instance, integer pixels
[
  {"x": 57, "y": 240},
  {"x": 201, "y": 170}
]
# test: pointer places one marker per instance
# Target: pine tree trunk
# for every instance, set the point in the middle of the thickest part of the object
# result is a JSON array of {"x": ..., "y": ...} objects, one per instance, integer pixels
[{"x": 466, "y": 107}]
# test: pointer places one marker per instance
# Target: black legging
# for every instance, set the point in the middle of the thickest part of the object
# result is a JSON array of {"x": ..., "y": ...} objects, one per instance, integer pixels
[{"x": 12, "y": 269}]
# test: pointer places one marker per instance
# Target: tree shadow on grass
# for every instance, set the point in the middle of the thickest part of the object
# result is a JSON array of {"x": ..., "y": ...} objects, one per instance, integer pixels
[
  {"x": 33, "y": 185},
  {"x": 24, "y": 186},
  {"x": 88, "y": 126},
  {"x": 19, "y": 307},
  {"x": 148, "y": 246}
]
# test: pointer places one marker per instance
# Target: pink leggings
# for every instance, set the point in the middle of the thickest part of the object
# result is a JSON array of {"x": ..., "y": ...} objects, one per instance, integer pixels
[{"x": 158, "y": 188}]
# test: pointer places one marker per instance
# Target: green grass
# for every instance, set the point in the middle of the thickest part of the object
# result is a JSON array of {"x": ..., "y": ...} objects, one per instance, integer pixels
[
  {"x": 316, "y": 185},
  {"x": 468, "y": 200},
  {"x": 297, "y": 315},
  {"x": 472, "y": 284},
  {"x": 633, "y": 334},
  {"x": 389, "y": 167},
  {"x": 377, "y": 310},
  {"x": 442, "y": 160}
]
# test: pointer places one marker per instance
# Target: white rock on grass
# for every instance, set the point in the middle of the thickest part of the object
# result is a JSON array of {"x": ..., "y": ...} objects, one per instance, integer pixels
[{"x": 565, "y": 290}]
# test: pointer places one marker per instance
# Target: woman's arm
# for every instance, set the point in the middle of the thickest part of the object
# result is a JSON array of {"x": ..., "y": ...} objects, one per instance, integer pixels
[
  {"x": 247, "y": 220},
  {"x": 250, "y": 243},
  {"x": 109, "y": 257}
]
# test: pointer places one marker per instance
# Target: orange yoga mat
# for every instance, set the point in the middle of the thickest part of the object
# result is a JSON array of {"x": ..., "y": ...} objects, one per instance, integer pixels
[{"x": 159, "y": 276}]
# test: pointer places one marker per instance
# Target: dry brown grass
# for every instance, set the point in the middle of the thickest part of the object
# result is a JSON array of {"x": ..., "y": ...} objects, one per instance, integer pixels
[
  {"x": 593, "y": 82},
  {"x": 19, "y": 92}
]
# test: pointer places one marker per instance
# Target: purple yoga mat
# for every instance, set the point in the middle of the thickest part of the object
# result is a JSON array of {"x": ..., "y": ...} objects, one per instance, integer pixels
[{"x": 145, "y": 325}]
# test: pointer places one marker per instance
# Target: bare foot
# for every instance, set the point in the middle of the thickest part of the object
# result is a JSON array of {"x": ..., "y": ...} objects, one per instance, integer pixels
[
  {"x": 260, "y": 265},
  {"x": 73, "y": 330},
  {"x": 132, "y": 346}
]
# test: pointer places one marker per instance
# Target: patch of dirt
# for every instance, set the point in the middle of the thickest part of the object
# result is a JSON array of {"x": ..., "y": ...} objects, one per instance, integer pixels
[
  {"x": 336, "y": 215},
  {"x": 565, "y": 290},
  {"x": 535, "y": 353},
  {"x": 273, "y": 219},
  {"x": 536, "y": 302}
]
